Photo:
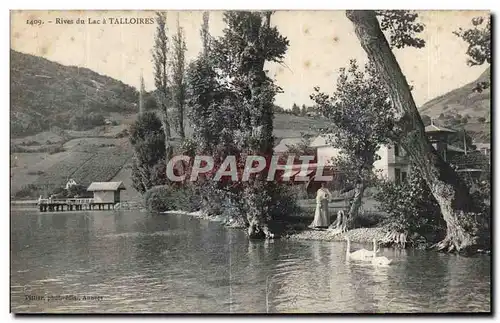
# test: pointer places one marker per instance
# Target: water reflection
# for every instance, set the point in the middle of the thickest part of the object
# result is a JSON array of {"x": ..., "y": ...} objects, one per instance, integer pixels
[{"x": 144, "y": 263}]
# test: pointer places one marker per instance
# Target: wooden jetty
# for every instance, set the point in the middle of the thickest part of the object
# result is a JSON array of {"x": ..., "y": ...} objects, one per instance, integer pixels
[
  {"x": 73, "y": 204},
  {"x": 105, "y": 194}
]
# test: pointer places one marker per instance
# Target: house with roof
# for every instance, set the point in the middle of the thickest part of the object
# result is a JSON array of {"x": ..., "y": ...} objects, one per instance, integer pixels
[
  {"x": 324, "y": 149},
  {"x": 483, "y": 147},
  {"x": 393, "y": 163},
  {"x": 106, "y": 192},
  {"x": 286, "y": 143}
]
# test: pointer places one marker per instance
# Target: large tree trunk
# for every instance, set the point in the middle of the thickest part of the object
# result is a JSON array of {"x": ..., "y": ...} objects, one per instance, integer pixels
[
  {"x": 168, "y": 139},
  {"x": 449, "y": 190},
  {"x": 181, "y": 121},
  {"x": 161, "y": 99},
  {"x": 261, "y": 117},
  {"x": 344, "y": 222}
]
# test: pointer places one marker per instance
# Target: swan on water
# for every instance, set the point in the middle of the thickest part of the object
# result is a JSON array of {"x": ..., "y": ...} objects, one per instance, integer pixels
[
  {"x": 379, "y": 261},
  {"x": 361, "y": 254}
]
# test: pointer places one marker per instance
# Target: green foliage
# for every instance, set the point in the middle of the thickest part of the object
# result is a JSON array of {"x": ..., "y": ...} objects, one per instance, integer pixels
[
  {"x": 160, "y": 51},
  {"x": 295, "y": 109},
  {"x": 78, "y": 191},
  {"x": 188, "y": 198},
  {"x": 150, "y": 102},
  {"x": 303, "y": 110},
  {"x": 160, "y": 199},
  {"x": 169, "y": 197},
  {"x": 232, "y": 103},
  {"x": 402, "y": 26},
  {"x": 148, "y": 141},
  {"x": 300, "y": 149},
  {"x": 205, "y": 98},
  {"x": 479, "y": 40},
  {"x": 187, "y": 147},
  {"x": 362, "y": 118},
  {"x": 410, "y": 205},
  {"x": 45, "y": 94},
  {"x": 278, "y": 109},
  {"x": 27, "y": 191},
  {"x": 85, "y": 121},
  {"x": 178, "y": 88},
  {"x": 368, "y": 220}
]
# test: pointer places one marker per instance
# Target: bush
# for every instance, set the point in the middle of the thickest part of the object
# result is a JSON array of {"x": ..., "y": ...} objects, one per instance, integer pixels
[
  {"x": 368, "y": 220},
  {"x": 85, "y": 121},
  {"x": 187, "y": 147},
  {"x": 160, "y": 199},
  {"x": 60, "y": 192},
  {"x": 122, "y": 134},
  {"x": 211, "y": 197},
  {"x": 55, "y": 149},
  {"x": 172, "y": 197},
  {"x": 187, "y": 198},
  {"x": 38, "y": 172},
  {"x": 27, "y": 191},
  {"x": 410, "y": 206},
  {"x": 78, "y": 191},
  {"x": 299, "y": 191}
]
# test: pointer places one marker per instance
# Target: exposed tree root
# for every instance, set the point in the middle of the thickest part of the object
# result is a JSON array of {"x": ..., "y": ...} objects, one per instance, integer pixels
[
  {"x": 396, "y": 238},
  {"x": 339, "y": 226}
]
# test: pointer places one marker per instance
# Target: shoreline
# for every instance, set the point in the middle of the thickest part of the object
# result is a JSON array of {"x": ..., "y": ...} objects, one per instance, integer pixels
[{"x": 358, "y": 235}]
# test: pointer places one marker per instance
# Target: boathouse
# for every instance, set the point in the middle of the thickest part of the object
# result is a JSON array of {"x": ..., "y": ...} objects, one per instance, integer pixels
[{"x": 106, "y": 192}]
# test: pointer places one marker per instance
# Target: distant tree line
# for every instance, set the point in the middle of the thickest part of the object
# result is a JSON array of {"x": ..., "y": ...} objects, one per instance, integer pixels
[{"x": 297, "y": 110}]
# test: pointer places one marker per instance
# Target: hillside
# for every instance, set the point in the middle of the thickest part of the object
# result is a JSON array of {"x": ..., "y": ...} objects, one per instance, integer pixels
[
  {"x": 463, "y": 101},
  {"x": 45, "y": 94},
  {"x": 46, "y": 150}
]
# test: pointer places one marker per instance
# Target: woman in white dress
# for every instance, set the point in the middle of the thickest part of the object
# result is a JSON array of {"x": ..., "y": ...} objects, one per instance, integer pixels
[{"x": 321, "y": 216}]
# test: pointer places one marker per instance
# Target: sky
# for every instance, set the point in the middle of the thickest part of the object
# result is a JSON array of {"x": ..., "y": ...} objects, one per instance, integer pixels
[{"x": 321, "y": 42}]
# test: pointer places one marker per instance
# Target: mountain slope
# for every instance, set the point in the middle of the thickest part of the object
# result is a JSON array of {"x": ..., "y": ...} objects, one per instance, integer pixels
[
  {"x": 463, "y": 101},
  {"x": 46, "y": 94}
]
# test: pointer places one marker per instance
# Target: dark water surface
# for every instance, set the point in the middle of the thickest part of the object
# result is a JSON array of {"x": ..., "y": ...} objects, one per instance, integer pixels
[{"x": 171, "y": 263}]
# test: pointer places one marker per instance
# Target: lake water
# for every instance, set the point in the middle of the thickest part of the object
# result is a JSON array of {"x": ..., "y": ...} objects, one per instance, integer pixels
[{"x": 134, "y": 262}]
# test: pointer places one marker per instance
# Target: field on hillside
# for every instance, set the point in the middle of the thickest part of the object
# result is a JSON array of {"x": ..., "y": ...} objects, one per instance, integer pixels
[{"x": 85, "y": 159}]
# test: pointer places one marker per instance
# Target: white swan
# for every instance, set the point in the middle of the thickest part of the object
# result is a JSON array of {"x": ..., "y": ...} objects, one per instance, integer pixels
[
  {"x": 361, "y": 254},
  {"x": 379, "y": 261}
]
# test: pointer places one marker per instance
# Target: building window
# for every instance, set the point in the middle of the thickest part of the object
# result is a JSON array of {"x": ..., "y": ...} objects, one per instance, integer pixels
[
  {"x": 403, "y": 176},
  {"x": 397, "y": 175},
  {"x": 396, "y": 150}
]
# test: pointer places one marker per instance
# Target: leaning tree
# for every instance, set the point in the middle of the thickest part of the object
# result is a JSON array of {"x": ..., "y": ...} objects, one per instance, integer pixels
[{"x": 458, "y": 208}]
